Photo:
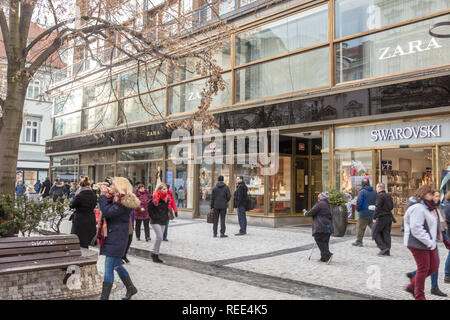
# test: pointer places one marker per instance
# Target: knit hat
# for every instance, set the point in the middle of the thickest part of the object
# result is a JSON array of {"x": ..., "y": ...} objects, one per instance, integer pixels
[{"x": 323, "y": 195}]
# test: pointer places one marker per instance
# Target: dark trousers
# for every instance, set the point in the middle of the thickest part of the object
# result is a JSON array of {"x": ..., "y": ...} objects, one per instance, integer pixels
[
  {"x": 323, "y": 241},
  {"x": 146, "y": 223},
  {"x": 130, "y": 238},
  {"x": 242, "y": 220},
  {"x": 382, "y": 232},
  {"x": 219, "y": 213}
]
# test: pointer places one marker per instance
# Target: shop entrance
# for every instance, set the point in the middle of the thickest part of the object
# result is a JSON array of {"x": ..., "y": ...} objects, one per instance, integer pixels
[{"x": 403, "y": 171}]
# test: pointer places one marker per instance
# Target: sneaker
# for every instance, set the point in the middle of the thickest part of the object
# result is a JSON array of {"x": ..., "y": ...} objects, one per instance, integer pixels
[
  {"x": 223, "y": 236},
  {"x": 357, "y": 244},
  {"x": 240, "y": 234},
  {"x": 447, "y": 280},
  {"x": 437, "y": 292},
  {"x": 329, "y": 259}
]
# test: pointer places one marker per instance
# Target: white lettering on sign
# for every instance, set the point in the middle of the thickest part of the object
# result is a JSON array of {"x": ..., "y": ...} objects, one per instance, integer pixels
[
  {"x": 412, "y": 47},
  {"x": 43, "y": 243},
  {"x": 193, "y": 96},
  {"x": 421, "y": 132}
]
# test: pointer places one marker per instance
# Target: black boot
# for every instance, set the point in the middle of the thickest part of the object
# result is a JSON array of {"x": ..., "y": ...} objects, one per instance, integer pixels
[
  {"x": 131, "y": 289},
  {"x": 125, "y": 259},
  {"x": 156, "y": 259},
  {"x": 106, "y": 290}
]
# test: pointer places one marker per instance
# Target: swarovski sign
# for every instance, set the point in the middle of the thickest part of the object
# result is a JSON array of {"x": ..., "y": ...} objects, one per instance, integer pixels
[
  {"x": 416, "y": 132},
  {"x": 412, "y": 47}
]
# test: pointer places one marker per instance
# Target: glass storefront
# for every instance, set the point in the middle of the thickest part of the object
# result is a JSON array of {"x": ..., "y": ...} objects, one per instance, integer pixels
[
  {"x": 280, "y": 187},
  {"x": 180, "y": 178},
  {"x": 145, "y": 106}
]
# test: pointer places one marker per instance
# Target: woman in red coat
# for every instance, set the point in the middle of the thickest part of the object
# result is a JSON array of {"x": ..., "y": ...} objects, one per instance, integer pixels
[
  {"x": 141, "y": 212},
  {"x": 172, "y": 206}
]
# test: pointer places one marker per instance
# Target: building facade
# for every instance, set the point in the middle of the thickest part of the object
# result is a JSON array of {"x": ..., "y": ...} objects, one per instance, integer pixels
[{"x": 356, "y": 89}]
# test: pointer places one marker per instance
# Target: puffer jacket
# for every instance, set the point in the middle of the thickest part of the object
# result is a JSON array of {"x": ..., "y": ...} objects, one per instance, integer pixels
[
  {"x": 141, "y": 212},
  {"x": 421, "y": 228},
  {"x": 118, "y": 221},
  {"x": 384, "y": 205},
  {"x": 321, "y": 210},
  {"x": 366, "y": 197}
]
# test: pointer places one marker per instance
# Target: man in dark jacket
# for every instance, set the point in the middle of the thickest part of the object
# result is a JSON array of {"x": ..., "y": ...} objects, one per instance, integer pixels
[
  {"x": 365, "y": 204},
  {"x": 219, "y": 203},
  {"x": 240, "y": 202},
  {"x": 383, "y": 218},
  {"x": 45, "y": 188},
  {"x": 57, "y": 191},
  {"x": 66, "y": 188},
  {"x": 322, "y": 226}
]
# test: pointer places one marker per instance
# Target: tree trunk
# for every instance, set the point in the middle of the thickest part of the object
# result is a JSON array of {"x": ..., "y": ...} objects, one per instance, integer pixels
[{"x": 10, "y": 128}]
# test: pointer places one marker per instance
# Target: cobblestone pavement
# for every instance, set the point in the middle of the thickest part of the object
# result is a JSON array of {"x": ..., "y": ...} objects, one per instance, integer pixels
[{"x": 280, "y": 254}]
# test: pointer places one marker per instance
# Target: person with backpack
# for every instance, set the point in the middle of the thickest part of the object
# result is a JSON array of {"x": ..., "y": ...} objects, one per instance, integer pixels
[
  {"x": 382, "y": 220},
  {"x": 365, "y": 205},
  {"x": 57, "y": 191},
  {"x": 117, "y": 216},
  {"x": 220, "y": 196},
  {"x": 322, "y": 226},
  {"x": 240, "y": 201}
]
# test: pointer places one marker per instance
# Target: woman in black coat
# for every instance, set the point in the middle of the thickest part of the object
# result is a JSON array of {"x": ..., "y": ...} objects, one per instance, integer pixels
[
  {"x": 322, "y": 226},
  {"x": 83, "y": 221}
]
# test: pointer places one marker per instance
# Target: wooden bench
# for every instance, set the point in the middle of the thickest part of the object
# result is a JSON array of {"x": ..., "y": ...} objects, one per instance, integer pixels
[{"x": 25, "y": 254}]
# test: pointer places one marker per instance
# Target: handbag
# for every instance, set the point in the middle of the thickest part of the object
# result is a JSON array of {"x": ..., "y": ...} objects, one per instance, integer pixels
[
  {"x": 171, "y": 216},
  {"x": 210, "y": 216}
]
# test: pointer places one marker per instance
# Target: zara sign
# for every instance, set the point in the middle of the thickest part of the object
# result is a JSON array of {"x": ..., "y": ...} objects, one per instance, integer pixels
[{"x": 410, "y": 48}]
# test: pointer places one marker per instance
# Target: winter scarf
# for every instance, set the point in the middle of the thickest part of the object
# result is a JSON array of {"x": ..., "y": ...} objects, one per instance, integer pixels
[{"x": 159, "y": 195}]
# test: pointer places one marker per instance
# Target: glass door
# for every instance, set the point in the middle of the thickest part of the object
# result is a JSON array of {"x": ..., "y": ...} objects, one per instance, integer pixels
[
  {"x": 316, "y": 179},
  {"x": 301, "y": 184},
  {"x": 205, "y": 188}
]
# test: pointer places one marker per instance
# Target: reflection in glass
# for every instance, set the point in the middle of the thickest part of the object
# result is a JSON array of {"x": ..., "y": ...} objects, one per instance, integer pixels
[
  {"x": 356, "y": 16},
  {"x": 146, "y": 106},
  {"x": 68, "y": 124},
  {"x": 100, "y": 117},
  {"x": 69, "y": 103},
  {"x": 403, "y": 49},
  {"x": 294, "y": 73},
  {"x": 444, "y": 170},
  {"x": 297, "y": 31},
  {"x": 105, "y": 91},
  {"x": 148, "y": 79},
  {"x": 152, "y": 153}
]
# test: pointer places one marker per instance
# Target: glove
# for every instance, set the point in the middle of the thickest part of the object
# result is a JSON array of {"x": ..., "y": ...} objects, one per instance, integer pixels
[
  {"x": 176, "y": 214},
  {"x": 447, "y": 244}
]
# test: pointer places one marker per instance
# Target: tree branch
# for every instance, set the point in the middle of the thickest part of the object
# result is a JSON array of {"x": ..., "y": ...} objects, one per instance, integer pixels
[
  {"x": 26, "y": 12},
  {"x": 5, "y": 32}
]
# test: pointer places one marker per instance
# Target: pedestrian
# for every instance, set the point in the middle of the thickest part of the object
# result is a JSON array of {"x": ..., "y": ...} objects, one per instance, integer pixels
[
  {"x": 382, "y": 220},
  {"x": 421, "y": 231},
  {"x": 322, "y": 226},
  {"x": 20, "y": 189},
  {"x": 220, "y": 196},
  {"x": 83, "y": 220},
  {"x": 141, "y": 213},
  {"x": 365, "y": 205},
  {"x": 446, "y": 208},
  {"x": 57, "y": 191},
  {"x": 37, "y": 186},
  {"x": 173, "y": 207},
  {"x": 442, "y": 236},
  {"x": 45, "y": 188},
  {"x": 117, "y": 215},
  {"x": 181, "y": 197},
  {"x": 66, "y": 188},
  {"x": 72, "y": 191},
  {"x": 158, "y": 210},
  {"x": 240, "y": 199}
]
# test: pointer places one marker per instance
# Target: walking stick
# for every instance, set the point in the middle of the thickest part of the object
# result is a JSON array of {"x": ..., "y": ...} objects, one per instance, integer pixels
[{"x": 314, "y": 245}]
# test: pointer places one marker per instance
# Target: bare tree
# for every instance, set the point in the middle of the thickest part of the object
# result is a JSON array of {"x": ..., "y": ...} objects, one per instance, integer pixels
[{"x": 111, "y": 33}]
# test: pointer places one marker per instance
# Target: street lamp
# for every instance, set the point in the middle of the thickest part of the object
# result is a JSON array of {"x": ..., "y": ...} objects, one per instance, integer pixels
[{"x": 437, "y": 25}]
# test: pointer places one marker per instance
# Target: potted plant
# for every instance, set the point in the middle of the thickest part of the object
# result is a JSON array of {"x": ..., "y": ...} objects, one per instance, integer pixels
[{"x": 337, "y": 201}]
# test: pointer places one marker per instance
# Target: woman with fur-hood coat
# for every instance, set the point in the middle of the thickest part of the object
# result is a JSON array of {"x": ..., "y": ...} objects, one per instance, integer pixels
[{"x": 117, "y": 216}]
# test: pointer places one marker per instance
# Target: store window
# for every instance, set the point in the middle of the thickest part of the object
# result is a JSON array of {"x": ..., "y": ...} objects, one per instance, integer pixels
[
  {"x": 254, "y": 179},
  {"x": 294, "y": 73},
  {"x": 97, "y": 157},
  {"x": 403, "y": 49},
  {"x": 100, "y": 117},
  {"x": 280, "y": 187},
  {"x": 32, "y": 131},
  {"x": 65, "y": 160},
  {"x": 70, "y": 102},
  {"x": 352, "y": 167},
  {"x": 146, "y": 106},
  {"x": 356, "y": 16},
  {"x": 444, "y": 170},
  {"x": 294, "y": 32},
  {"x": 152, "y": 153},
  {"x": 180, "y": 177},
  {"x": 187, "y": 96},
  {"x": 65, "y": 173},
  {"x": 68, "y": 124},
  {"x": 147, "y": 78}
]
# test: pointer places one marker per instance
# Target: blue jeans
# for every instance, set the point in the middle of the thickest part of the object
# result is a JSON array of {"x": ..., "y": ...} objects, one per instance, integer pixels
[
  {"x": 112, "y": 263},
  {"x": 242, "y": 220},
  {"x": 435, "y": 276},
  {"x": 447, "y": 266},
  {"x": 165, "y": 230}
]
